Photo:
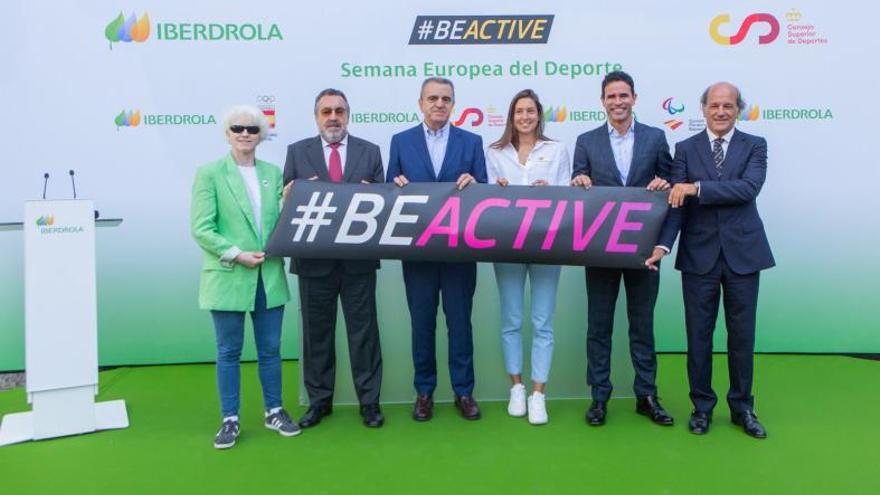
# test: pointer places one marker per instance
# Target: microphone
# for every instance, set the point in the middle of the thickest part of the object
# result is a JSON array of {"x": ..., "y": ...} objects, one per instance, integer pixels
[
  {"x": 73, "y": 184},
  {"x": 45, "y": 182}
]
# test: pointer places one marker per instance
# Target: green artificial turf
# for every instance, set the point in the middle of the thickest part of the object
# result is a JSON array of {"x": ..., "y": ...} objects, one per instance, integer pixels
[{"x": 821, "y": 413}]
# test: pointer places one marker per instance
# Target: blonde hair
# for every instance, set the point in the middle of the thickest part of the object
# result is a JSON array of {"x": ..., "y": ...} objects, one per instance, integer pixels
[{"x": 253, "y": 114}]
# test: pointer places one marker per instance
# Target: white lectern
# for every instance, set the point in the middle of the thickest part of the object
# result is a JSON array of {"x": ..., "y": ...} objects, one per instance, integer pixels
[{"x": 61, "y": 338}]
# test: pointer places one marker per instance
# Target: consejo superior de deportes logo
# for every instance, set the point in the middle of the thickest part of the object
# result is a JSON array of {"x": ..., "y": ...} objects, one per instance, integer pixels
[{"x": 767, "y": 20}]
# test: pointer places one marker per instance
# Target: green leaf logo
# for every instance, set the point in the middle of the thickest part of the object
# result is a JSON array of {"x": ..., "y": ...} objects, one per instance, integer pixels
[
  {"x": 120, "y": 120},
  {"x": 111, "y": 32}
]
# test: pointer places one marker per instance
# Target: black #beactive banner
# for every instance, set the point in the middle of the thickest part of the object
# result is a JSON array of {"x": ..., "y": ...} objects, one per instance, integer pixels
[{"x": 601, "y": 226}]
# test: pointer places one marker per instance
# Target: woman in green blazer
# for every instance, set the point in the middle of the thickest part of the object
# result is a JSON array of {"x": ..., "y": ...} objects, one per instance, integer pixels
[{"x": 235, "y": 204}]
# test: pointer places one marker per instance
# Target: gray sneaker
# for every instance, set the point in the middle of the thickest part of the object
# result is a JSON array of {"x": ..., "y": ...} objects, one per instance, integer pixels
[
  {"x": 226, "y": 436},
  {"x": 281, "y": 422}
]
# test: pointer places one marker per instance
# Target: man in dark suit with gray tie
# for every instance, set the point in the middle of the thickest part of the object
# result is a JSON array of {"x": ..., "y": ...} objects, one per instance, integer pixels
[
  {"x": 623, "y": 152},
  {"x": 336, "y": 156},
  {"x": 717, "y": 175}
]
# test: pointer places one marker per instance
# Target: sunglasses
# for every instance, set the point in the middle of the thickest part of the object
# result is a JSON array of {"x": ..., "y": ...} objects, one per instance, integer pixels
[{"x": 251, "y": 129}]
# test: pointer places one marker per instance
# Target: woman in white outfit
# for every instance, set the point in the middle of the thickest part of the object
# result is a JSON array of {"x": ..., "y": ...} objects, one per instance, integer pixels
[{"x": 524, "y": 156}]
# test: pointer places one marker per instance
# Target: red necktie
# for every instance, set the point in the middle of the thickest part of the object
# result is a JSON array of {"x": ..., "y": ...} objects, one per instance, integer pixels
[{"x": 335, "y": 163}]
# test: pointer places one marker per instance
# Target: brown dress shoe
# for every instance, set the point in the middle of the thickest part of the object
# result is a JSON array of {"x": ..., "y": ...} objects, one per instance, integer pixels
[
  {"x": 468, "y": 407},
  {"x": 424, "y": 408}
]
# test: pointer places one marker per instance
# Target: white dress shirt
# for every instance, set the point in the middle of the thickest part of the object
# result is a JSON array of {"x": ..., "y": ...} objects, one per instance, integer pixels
[
  {"x": 343, "y": 151},
  {"x": 437, "y": 141},
  {"x": 548, "y": 161},
  {"x": 622, "y": 147},
  {"x": 252, "y": 184},
  {"x": 724, "y": 143}
]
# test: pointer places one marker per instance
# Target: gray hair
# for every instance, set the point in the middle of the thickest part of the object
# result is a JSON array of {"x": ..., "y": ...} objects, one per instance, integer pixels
[
  {"x": 252, "y": 116},
  {"x": 438, "y": 80},
  {"x": 740, "y": 103},
  {"x": 331, "y": 92}
]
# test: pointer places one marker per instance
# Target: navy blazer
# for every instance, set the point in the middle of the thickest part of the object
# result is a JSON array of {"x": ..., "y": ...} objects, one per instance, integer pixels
[
  {"x": 724, "y": 219},
  {"x": 409, "y": 156},
  {"x": 594, "y": 158}
]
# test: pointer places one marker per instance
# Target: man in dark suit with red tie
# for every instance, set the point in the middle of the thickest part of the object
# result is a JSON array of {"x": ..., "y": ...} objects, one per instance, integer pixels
[
  {"x": 717, "y": 176},
  {"x": 336, "y": 156}
]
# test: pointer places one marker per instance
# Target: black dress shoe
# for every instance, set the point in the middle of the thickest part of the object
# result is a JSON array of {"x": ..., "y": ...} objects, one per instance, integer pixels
[
  {"x": 597, "y": 412},
  {"x": 649, "y": 406},
  {"x": 468, "y": 407},
  {"x": 372, "y": 415},
  {"x": 314, "y": 415},
  {"x": 699, "y": 423},
  {"x": 424, "y": 408},
  {"x": 749, "y": 421}
]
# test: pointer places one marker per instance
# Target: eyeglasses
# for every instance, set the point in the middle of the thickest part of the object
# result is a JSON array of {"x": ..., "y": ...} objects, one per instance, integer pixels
[{"x": 251, "y": 129}]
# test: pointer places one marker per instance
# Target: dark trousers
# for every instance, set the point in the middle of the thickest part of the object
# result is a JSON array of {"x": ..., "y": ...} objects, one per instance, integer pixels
[
  {"x": 425, "y": 282},
  {"x": 603, "y": 286},
  {"x": 701, "y": 297},
  {"x": 318, "y": 296}
]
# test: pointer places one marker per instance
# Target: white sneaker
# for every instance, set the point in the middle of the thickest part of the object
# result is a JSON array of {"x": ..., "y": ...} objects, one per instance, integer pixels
[
  {"x": 537, "y": 409},
  {"x": 517, "y": 405}
]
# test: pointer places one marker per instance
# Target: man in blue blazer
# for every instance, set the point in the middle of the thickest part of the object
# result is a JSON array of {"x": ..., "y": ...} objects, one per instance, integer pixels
[
  {"x": 435, "y": 151},
  {"x": 717, "y": 175},
  {"x": 623, "y": 152}
]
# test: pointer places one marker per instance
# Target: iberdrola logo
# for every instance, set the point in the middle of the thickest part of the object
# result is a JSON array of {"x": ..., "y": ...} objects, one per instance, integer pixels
[
  {"x": 128, "y": 30},
  {"x": 751, "y": 113},
  {"x": 555, "y": 114},
  {"x": 131, "y": 118},
  {"x": 46, "y": 220}
]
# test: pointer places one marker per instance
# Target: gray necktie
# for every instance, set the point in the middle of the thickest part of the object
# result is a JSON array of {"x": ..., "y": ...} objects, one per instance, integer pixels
[{"x": 718, "y": 154}]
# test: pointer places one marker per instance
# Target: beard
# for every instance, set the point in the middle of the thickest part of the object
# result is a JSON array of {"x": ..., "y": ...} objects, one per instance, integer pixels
[{"x": 333, "y": 135}]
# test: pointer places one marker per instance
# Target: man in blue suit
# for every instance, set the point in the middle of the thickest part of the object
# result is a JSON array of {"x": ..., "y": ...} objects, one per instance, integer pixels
[
  {"x": 623, "y": 152},
  {"x": 717, "y": 175},
  {"x": 435, "y": 151}
]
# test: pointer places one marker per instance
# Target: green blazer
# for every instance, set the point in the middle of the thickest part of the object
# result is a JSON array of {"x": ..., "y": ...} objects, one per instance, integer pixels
[{"x": 222, "y": 219}]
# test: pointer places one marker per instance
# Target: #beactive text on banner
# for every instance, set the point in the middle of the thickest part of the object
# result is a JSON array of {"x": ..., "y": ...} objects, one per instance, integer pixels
[{"x": 600, "y": 226}]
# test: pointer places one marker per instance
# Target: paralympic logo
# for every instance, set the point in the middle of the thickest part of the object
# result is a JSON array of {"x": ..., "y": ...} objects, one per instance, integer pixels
[
  {"x": 751, "y": 113},
  {"x": 464, "y": 115},
  {"x": 555, "y": 114},
  {"x": 46, "y": 220},
  {"x": 131, "y": 118},
  {"x": 128, "y": 30},
  {"x": 667, "y": 105},
  {"x": 744, "y": 29}
]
